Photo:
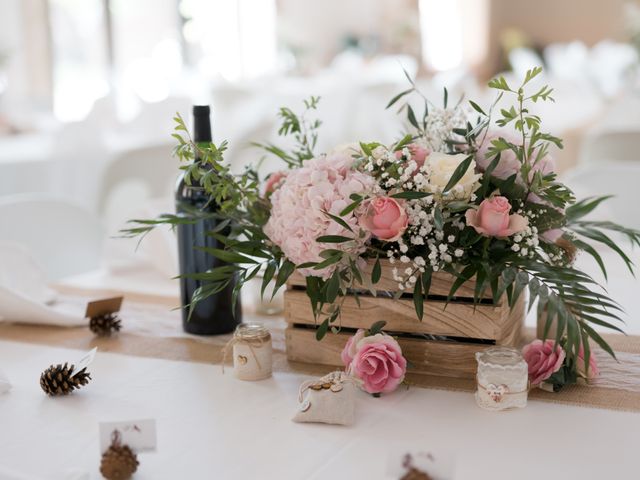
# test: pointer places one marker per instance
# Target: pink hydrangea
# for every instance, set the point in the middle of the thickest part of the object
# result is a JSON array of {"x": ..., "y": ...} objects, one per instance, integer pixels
[{"x": 298, "y": 205}]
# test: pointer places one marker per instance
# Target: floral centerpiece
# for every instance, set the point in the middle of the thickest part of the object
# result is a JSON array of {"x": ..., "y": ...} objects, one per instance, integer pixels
[{"x": 467, "y": 190}]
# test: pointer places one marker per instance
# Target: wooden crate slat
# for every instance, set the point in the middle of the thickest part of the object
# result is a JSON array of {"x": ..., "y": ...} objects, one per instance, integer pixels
[
  {"x": 440, "y": 282},
  {"x": 511, "y": 331},
  {"x": 458, "y": 320},
  {"x": 449, "y": 359}
]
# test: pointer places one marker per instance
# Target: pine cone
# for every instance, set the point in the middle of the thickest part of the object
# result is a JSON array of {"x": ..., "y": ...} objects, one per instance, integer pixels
[
  {"x": 104, "y": 325},
  {"x": 415, "y": 474},
  {"x": 57, "y": 379},
  {"x": 119, "y": 462}
]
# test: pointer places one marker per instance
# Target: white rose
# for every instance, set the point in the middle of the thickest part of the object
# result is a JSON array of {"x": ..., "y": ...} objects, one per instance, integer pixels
[{"x": 440, "y": 167}]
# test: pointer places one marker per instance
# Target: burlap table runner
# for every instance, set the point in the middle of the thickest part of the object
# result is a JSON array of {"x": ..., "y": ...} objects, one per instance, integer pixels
[{"x": 154, "y": 330}]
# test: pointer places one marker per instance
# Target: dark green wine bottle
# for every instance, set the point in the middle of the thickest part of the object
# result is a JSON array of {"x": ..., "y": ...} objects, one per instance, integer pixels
[{"x": 213, "y": 315}]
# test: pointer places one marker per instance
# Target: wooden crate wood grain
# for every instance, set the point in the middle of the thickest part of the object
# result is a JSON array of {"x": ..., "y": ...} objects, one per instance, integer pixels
[{"x": 443, "y": 343}]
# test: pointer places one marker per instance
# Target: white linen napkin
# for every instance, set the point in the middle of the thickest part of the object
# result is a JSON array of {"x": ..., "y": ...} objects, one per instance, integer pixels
[{"x": 25, "y": 296}]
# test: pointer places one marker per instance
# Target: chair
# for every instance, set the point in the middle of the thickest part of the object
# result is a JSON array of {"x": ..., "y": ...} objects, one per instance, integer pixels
[
  {"x": 64, "y": 239},
  {"x": 618, "y": 145},
  {"x": 149, "y": 172}
]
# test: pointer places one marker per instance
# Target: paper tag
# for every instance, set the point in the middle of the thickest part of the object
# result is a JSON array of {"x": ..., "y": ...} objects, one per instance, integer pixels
[
  {"x": 139, "y": 435},
  {"x": 103, "y": 307},
  {"x": 84, "y": 362},
  {"x": 437, "y": 464}
]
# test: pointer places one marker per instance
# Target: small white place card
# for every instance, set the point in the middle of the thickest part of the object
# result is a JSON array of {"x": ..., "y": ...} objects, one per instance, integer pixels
[
  {"x": 139, "y": 435},
  {"x": 84, "y": 362},
  {"x": 410, "y": 461}
]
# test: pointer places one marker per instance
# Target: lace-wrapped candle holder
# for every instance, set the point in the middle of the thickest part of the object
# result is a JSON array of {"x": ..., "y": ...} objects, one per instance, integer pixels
[
  {"x": 252, "y": 352},
  {"x": 502, "y": 379}
]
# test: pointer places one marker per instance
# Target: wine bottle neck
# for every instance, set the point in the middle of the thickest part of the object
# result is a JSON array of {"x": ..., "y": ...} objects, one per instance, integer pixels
[
  {"x": 201, "y": 129},
  {"x": 201, "y": 126}
]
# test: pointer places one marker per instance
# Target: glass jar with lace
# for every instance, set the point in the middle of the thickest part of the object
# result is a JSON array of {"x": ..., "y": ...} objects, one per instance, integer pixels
[{"x": 502, "y": 379}]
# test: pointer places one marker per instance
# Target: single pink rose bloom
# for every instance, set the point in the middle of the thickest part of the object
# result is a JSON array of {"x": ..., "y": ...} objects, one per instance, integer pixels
[
  {"x": 385, "y": 218},
  {"x": 508, "y": 164},
  {"x": 418, "y": 154},
  {"x": 273, "y": 182},
  {"x": 593, "y": 365},
  {"x": 379, "y": 364},
  {"x": 492, "y": 218},
  {"x": 543, "y": 359},
  {"x": 349, "y": 350},
  {"x": 544, "y": 165}
]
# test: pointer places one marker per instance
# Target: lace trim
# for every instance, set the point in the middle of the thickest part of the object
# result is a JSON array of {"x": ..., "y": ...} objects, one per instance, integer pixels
[{"x": 621, "y": 375}]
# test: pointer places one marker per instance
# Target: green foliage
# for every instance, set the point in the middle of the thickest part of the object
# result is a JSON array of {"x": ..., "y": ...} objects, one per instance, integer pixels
[{"x": 303, "y": 130}]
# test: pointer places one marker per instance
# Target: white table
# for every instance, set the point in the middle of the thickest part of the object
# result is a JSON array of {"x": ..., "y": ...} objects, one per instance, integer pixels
[{"x": 211, "y": 425}]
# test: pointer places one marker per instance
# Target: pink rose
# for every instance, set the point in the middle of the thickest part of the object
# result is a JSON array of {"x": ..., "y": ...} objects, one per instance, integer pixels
[
  {"x": 543, "y": 359},
  {"x": 508, "y": 164},
  {"x": 544, "y": 165},
  {"x": 418, "y": 154},
  {"x": 385, "y": 218},
  {"x": 273, "y": 182},
  {"x": 379, "y": 363},
  {"x": 492, "y": 218},
  {"x": 593, "y": 365},
  {"x": 349, "y": 350}
]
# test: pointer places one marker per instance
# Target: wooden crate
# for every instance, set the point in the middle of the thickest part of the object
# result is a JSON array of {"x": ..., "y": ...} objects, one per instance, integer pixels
[{"x": 443, "y": 343}]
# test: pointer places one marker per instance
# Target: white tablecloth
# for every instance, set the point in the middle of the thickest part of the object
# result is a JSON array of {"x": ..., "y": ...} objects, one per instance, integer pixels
[{"x": 211, "y": 425}]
